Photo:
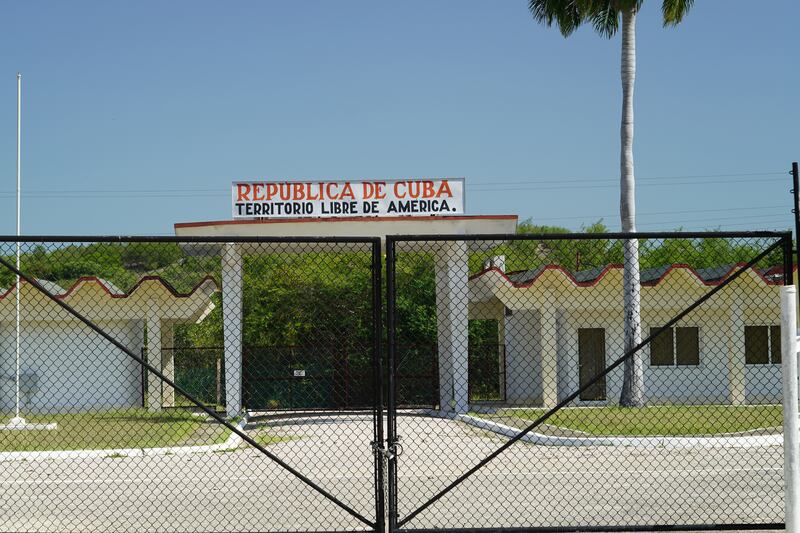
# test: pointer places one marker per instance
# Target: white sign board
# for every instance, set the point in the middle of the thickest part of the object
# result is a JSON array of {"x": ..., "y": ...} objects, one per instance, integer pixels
[
  {"x": 368, "y": 198},
  {"x": 299, "y": 373}
]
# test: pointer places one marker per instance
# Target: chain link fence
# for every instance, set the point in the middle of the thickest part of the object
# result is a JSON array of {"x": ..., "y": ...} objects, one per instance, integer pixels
[
  {"x": 587, "y": 382},
  {"x": 128, "y": 397},
  {"x": 204, "y": 384}
]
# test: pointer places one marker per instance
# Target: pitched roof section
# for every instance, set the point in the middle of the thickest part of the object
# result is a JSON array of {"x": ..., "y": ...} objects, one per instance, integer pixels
[{"x": 650, "y": 277}]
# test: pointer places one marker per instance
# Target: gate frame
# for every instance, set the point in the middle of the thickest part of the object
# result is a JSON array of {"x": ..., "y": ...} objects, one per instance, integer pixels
[
  {"x": 378, "y": 525},
  {"x": 395, "y": 523}
]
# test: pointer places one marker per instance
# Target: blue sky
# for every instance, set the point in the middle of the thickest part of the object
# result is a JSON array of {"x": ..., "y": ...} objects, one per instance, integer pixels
[{"x": 139, "y": 115}]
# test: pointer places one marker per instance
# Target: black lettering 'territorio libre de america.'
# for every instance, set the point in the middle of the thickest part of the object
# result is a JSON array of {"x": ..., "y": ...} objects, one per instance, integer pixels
[{"x": 277, "y": 209}]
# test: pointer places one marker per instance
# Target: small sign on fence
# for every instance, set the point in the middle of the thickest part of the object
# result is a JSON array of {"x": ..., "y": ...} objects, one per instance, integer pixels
[
  {"x": 299, "y": 373},
  {"x": 368, "y": 198}
]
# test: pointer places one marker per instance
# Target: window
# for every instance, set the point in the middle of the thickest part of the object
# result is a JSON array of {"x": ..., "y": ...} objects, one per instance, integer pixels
[
  {"x": 675, "y": 346},
  {"x": 762, "y": 345},
  {"x": 687, "y": 342}
]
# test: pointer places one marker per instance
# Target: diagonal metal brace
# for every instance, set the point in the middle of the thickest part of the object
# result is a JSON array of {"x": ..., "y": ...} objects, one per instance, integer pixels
[{"x": 784, "y": 240}]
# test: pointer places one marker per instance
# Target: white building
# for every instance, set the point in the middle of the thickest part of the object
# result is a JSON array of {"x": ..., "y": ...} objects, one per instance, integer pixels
[
  {"x": 555, "y": 325},
  {"x": 560, "y": 329},
  {"x": 65, "y": 366}
]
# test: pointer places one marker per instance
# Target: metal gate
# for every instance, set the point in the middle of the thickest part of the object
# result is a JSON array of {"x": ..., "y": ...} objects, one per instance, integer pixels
[
  {"x": 671, "y": 425},
  {"x": 507, "y": 364},
  {"x": 90, "y": 442}
]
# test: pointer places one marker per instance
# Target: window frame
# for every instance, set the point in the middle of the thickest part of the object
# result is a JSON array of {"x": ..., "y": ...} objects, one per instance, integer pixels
[
  {"x": 772, "y": 330},
  {"x": 673, "y": 332}
]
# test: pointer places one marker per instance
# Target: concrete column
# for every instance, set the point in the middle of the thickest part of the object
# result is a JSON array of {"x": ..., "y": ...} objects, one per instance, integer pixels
[
  {"x": 154, "y": 359},
  {"x": 443, "y": 334},
  {"x": 522, "y": 346},
  {"x": 167, "y": 362},
  {"x": 736, "y": 363},
  {"x": 791, "y": 431},
  {"x": 452, "y": 319},
  {"x": 232, "y": 328},
  {"x": 548, "y": 332}
]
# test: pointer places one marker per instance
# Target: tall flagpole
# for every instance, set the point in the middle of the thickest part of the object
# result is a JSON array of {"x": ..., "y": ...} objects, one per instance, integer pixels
[{"x": 18, "y": 420}]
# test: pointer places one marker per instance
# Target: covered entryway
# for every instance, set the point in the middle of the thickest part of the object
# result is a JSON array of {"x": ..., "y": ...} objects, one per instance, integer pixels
[{"x": 272, "y": 383}]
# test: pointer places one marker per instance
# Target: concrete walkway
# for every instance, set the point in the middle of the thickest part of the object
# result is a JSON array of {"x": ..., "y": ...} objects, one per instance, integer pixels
[{"x": 528, "y": 485}]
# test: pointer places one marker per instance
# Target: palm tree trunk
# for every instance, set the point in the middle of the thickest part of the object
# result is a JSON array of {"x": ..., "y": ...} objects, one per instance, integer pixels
[{"x": 633, "y": 381}]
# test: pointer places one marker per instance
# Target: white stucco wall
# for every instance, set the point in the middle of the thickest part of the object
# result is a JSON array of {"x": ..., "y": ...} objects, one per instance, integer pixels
[
  {"x": 76, "y": 368},
  {"x": 720, "y": 322},
  {"x": 704, "y": 383},
  {"x": 523, "y": 357}
]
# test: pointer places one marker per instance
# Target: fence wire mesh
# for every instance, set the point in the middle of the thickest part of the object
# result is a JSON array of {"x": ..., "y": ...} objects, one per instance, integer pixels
[
  {"x": 197, "y": 385},
  {"x": 93, "y": 440},
  {"x": 524, "y": 421}
]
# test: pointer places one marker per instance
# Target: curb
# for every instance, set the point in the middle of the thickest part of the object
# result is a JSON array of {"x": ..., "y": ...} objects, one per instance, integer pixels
[{"x": 749, "y": 441}]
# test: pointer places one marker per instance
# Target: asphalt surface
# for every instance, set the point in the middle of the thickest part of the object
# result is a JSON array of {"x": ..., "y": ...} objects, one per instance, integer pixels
[{"x": 525, "y": 486}]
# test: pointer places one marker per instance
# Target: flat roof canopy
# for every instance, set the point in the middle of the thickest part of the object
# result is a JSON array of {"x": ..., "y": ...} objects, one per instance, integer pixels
[{"x": 352, "y": 226}]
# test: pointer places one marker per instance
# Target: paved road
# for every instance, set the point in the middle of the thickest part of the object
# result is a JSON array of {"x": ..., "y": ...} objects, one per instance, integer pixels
[{"x": 526, "y": 486}]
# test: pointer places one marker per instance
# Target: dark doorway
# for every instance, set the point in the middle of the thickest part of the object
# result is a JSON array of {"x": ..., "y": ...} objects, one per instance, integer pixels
[{"x": 592, "y": 361}]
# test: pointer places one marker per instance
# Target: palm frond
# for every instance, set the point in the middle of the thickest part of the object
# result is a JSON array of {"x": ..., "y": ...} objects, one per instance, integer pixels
[
  {"x": 604, "y": 15},
  {"x": 566, "y": 14},
  {"x": 673, "y": 11},
  {"x": 604, "y": 18}
]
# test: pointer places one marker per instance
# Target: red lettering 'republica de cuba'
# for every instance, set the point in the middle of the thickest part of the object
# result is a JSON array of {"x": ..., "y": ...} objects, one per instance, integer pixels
[
  {"x": 352, "y": 198},
  {"x": 334, "y": 190}
]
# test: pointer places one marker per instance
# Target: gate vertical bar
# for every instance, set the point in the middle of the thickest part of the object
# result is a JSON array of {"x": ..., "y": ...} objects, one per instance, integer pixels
[
  {"x": 796, "y": 207},
  {"x": 391, "y": 426},
  {"x": 377, "y": 364}
]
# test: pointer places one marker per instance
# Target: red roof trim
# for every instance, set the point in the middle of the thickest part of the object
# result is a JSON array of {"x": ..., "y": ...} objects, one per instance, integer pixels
[
  {"x": 94, "y": 279},
  {"x": 608, "y": 268},
  {"x": 342, "y": 219}
]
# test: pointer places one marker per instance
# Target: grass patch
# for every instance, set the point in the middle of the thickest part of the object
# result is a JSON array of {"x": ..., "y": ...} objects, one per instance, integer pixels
[
  {"x": 124, "y": 428},
  {"x": 657, "y": 420}
]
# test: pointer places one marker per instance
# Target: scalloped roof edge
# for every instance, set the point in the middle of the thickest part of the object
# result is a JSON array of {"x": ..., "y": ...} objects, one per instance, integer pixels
[
  {"x": 112, "y": 290},
  {"x": 653, "y": 276}
]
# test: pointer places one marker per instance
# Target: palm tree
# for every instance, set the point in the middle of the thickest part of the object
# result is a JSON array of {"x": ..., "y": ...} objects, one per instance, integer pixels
[{"x": 605, "y": 16}]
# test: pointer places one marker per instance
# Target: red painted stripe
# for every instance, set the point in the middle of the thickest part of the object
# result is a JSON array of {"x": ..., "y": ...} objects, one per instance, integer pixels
[{"x": 342, "y": 219}]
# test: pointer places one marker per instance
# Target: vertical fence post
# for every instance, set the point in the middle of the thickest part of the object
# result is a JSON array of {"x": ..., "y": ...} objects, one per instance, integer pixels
[
  {"x": 791, "y": 437},
  {"x": 391, "y": 384},
  {"x": 377, "y": 377},
  {"x": 796, "y": 207}
]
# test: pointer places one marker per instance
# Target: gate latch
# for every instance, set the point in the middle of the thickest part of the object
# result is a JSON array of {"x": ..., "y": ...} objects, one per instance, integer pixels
[{"x": 387, "y": 452}]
